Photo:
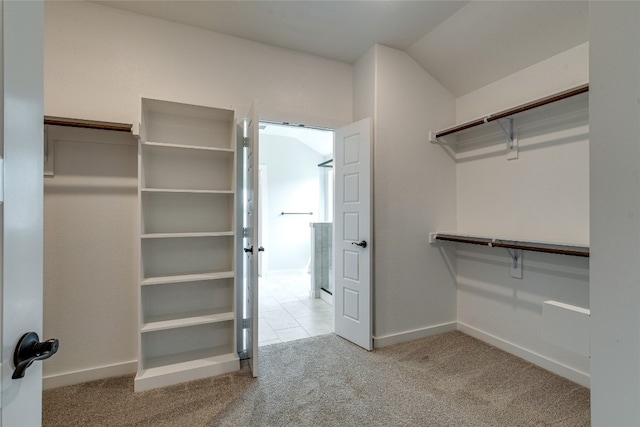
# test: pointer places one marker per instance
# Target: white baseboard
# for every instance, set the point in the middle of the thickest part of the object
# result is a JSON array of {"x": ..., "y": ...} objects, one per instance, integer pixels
[
  {"x": 77, "y": 377},
  {"x": 582, "y": 378},
  {"x": 383, "y": 341}
]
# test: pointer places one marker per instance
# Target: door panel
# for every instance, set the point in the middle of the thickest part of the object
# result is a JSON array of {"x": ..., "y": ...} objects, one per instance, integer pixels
[
  {"x": 353, "y": 233},
  {"x": 22, "y": 210}
]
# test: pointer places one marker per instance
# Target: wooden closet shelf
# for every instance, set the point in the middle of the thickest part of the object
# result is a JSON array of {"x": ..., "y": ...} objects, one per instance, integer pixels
[
  {"x": 553, "y": 248},
  {"x": 90, "y": 124},
  {"x": 511, "y": 111}
]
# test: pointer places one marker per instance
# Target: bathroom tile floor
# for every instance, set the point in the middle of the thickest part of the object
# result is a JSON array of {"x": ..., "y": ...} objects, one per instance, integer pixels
[{"x": 287, "y": 312}]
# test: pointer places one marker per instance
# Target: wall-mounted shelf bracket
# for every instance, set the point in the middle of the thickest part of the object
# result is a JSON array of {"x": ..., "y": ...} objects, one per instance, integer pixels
[
  {"x": 512, "y": 141},
  {"x": 49, "y": 146},
  {"x": 514, "y": 257},
  {"x": 516, "y": 266}
]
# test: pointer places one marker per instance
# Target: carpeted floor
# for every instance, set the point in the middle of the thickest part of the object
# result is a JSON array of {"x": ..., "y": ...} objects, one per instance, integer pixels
[{"x": 446, "y": 380}]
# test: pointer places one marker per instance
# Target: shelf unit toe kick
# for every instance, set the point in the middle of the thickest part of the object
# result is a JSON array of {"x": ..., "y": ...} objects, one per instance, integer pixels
[{"x": 181, "y": 372}]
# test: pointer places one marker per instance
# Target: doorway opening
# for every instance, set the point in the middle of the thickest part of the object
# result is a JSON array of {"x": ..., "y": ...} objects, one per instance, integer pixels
[{"x": 296, "y": 219}]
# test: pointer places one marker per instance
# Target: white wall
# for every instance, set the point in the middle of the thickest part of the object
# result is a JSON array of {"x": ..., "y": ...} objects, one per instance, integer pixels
[
  {"x": 292, "y": 186},
  {"x": 543, "y": 195},
  {"x": 615, "y": 212},
  {"x": 364, "y": 86},
  {"x": 414, "y": 192},
  {"x": 90, "y": 255},
  {"x": 99, "y": 61},
  {"x": 560, "y": 72}
]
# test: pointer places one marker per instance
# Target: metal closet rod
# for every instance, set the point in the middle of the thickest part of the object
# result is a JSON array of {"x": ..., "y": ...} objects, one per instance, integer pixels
[
  {"x": 515, "y": 110},
  {"x": 512, "y": 244},
  {"x": 296, "y": 213},
  {"x": 89, "y": 124}
]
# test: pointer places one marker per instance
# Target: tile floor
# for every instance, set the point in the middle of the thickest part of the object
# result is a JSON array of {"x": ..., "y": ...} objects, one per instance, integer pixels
[{"x": 287, "y": 313}]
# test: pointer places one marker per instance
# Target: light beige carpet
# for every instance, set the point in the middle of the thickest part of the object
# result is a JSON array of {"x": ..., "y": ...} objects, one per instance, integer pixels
[{"x": 445, "y": 380}]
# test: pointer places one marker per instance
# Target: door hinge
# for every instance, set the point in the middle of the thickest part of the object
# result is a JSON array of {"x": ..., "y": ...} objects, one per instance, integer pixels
[
  {"x": 245, "y": 232},
  {"x": 246, "y": 324},
  {"x": 245, "y": 142},
  {"x": 1, "y": 180}
]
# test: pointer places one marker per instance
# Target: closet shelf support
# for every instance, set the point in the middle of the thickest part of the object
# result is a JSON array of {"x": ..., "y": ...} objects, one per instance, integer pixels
[
  {"x": 435, "y": 136},
  {"x": 514, "y": 256},
  {"x": 512, "y": 142}
]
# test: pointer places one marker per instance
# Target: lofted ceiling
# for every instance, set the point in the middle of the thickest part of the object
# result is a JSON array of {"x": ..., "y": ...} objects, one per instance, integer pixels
[{"x": 464, "y": 45}]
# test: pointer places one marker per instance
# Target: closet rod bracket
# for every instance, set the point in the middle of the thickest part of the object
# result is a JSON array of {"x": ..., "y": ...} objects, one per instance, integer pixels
[
  {"x": 514, "y": 257},
  {"x": 516, "y": 266},
  {"x": 512, "y": 141},
  {"x": 434, "y": 139}
]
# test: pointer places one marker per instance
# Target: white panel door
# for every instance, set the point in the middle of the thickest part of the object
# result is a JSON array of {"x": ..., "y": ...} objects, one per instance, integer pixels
[
  {"x": 353, "y": 233},
  {"x": 22, "y": 211},
  {"x": 251, "y": 225}
]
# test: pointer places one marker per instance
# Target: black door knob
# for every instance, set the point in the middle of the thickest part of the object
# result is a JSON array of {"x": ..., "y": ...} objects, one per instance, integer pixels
[
  {"x": 362, "y": 244},
  {"x": 248, "y": 250},
  {"x": 30, "y": 349}
]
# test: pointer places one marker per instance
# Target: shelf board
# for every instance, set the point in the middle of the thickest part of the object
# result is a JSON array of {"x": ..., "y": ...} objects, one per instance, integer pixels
[
  {"x": 525, "y": 245},
  {"x": 196, "y": 277},
  {"x": 193, "y": 318},
  {"x": 184, "y": 190},
  {"x": 88, "y": 124},
  {"x": 189, "y": 147},
  {"x": 511, "y": 111},
  {"x": 193, "y": 234}
]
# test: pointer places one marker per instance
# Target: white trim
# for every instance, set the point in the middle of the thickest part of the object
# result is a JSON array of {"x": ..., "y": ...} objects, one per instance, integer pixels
[
  {"x": 91, "y": 374},
  {"x": 582, "y": 378},
  {"x": 414, "y": 334}
]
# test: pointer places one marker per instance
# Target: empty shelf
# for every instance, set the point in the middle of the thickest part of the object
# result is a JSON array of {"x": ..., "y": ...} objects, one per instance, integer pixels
[
  {"x": 196, "y": 234},
  {"x": 511, "y": 111},
  {"x": 181, "y": 320},
  {"x": 184, "y": 190},
  {"x": 159, "y": 280},
  {"x": 189, "y": 147},
  {"x": 547, "y": 247}
]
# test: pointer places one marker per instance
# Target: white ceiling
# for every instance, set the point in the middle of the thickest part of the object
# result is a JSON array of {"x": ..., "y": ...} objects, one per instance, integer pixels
[
  {"x": 488, "y": 40},
  {"x": 464, "y": 45}
]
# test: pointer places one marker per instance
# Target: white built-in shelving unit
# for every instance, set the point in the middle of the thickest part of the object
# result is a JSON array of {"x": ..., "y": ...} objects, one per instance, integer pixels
[{"x": 187, "y": 206}]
